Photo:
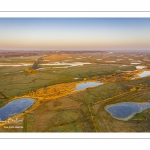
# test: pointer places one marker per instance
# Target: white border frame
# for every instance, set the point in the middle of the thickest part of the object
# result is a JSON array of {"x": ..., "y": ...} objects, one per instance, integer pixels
[{"x": 73, "y": 14}]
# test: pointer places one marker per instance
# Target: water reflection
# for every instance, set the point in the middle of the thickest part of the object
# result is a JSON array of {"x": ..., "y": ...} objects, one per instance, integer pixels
[
  {"x": 15, "y": 107},
  {"x": 68, "y": 64},
  {"x": 144, "y": 74},
  {"x": 141, "y": 67},
  {"x": 126, "y": 110},
  {"x": 135, "y": 63},
  {"x": 85, "y": 85}
]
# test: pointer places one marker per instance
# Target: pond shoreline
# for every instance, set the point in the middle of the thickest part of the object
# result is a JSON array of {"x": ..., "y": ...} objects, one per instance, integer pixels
[{"x": 39, "y": 99}]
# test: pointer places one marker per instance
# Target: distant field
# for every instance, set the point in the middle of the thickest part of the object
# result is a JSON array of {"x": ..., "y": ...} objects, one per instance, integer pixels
[
  {"x": 18, "y": 83},
  {"x": 20, "y": 59}
]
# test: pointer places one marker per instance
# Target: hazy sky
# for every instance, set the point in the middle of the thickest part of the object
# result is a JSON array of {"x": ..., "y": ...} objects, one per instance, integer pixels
[{"x": 74, "y": 33}]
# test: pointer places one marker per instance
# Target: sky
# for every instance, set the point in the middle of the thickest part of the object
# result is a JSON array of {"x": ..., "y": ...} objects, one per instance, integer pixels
[{"x": 74, "y": 33}]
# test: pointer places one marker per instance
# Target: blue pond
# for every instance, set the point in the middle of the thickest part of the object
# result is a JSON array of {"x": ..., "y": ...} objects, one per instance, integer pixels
[
  {"x": 144, "y": 74},
  {"x": 15, "y": 107},
  {"x": 126, "y": 110},
  {"x": 85, "y": 85}
]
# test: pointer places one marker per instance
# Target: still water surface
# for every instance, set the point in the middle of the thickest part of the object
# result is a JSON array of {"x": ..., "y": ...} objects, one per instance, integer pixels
[
  {"x": 126, "y": 110},
  {"x": 85, "y": 85},
  {"x": 144, "y": 74},
  {"x": 141, "y": 67},
  {"x": 15, "y": 107}
]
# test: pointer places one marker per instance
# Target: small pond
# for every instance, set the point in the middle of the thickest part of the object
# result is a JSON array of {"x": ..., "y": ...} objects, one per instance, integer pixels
[
  {"x": 135, "y": 63},
  {"x": 85, "y": 85},
  {"x": 126, "y": 110},
  {"x": 110, "y": 61},
  {"x": 40, "y": 68},
  {"x": 144, "y": 74},
  {"x": 68, "y": 64},
  {"x": 141, "y": 67},
  {"x": 15, "y": 107}
]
